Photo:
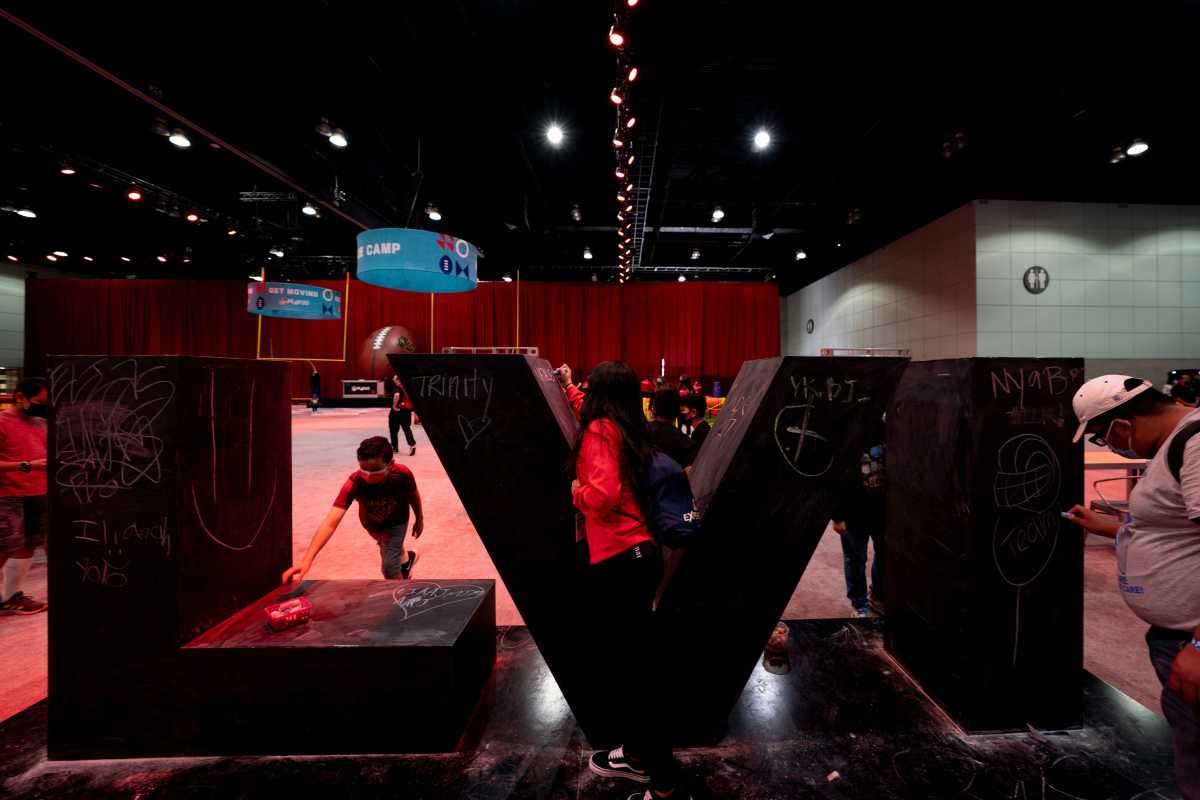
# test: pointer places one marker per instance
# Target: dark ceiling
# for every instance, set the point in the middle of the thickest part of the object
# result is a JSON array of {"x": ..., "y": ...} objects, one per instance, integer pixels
[{"x": 880, "y": 121}]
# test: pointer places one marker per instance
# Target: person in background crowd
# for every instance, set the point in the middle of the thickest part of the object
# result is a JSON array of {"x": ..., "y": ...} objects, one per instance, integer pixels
[
  {"x": 685, "y": 385},
  {"x": 23, "y": 510},
  {"x": 694, "y": 409},
  {"x": 609, "y": 462},
  {"x": 400, "y": 416},
  {"x": 1158, "y": 544},
  {"x": 647, "y": 387},
  {"x": 384, "y": 490},
  {"x": 663, "y": 434},
  {"x": 697, "y": 387},
  {"x": 861, "y": 517},
  {"x": 314, "y": 387},
  {"x": 1184, "y": 394}
]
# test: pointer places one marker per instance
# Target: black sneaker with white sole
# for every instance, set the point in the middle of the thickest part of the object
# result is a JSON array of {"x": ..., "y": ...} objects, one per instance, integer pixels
[
  {"x": 406, "y": 567},
  {"x": 614, "y": 764}
]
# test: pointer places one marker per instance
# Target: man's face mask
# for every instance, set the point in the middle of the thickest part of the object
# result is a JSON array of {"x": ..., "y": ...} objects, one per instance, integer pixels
[{"x": 1123, "y": 430}]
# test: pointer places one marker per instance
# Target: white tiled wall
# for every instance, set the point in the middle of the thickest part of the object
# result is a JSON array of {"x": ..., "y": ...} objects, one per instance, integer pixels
[
  {"x": 916, "y": 293},
  {"x": 12, "y": 316},
  {"x": 1124, "y": 280}
]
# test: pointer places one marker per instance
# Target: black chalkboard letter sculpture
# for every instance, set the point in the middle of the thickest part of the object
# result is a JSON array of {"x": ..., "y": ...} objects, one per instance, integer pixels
[
  {"x": 985, "y": 578},
  {"x": 768, "y": 477}
]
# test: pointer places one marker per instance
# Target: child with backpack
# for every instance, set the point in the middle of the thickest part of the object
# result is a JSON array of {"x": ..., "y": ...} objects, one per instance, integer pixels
[{"x": 612, "y": 462}]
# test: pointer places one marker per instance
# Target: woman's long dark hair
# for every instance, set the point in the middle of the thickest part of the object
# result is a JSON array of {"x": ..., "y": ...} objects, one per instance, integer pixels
[{"x": 615, "y": 393}]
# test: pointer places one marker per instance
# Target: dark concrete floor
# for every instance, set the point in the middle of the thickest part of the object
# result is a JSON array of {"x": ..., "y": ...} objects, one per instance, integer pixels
[{"x": 840, "y": 722}]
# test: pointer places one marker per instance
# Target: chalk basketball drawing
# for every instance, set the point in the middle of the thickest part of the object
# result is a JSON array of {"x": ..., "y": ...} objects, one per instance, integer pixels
[
  {"x": 1027, "y": 476},
  {"x": 806, "y": 451}
]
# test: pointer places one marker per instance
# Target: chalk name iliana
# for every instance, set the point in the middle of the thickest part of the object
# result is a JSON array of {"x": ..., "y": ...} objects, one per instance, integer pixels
[{"x": 106, "y": 558}]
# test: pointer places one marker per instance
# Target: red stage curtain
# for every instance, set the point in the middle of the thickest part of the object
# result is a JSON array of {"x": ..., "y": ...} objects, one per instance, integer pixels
[{"x": 702, "y": 329}]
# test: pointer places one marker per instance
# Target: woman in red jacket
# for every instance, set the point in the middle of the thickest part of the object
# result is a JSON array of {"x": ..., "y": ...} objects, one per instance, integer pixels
[{"x": 609, "y": 459}]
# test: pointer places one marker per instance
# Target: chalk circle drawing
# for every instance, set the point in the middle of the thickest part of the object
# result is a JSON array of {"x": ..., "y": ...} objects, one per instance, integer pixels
[
  {"x": 204, "y": 525},
  {"x": 1028, "y": 477},
  {"x": 416, "y": 598},
  {"x": 1023, "y": 545},
  {"x": 806, "y": 451}
]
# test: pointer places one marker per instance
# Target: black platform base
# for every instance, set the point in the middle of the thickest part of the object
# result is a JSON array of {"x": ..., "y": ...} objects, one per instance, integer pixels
[{"x": 840, "y": 708}]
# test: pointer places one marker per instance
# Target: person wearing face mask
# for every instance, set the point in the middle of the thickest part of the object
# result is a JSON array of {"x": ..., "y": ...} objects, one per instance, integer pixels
[
  {"x": 23, "y": 519},
  {"x": 1158, "y": 543},
  {"x": 385, "y": 491}
]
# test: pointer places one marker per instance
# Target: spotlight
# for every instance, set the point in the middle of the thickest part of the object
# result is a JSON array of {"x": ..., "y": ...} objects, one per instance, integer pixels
[
  {"x": 193, "y": 217},
  {"x": 187, "y": 261},
  {"x": 629, "y": 208},
  {"x": 309, "y": 209},
  {"x": 231, "y": 232},
  {"x": 682, "y": 278},
  {"x": 801, "y": 255},
  {"x": 620, "y": 217},
  {"x": 616, "y": 98},
  {"x": 629, "y": 123},
  {"x": 12, "y": 258},
  {"x": 838, "y": 244},
  {"x": 338, "y": 138},
  {"x": 1137, "y": 147},
  {"x": 275, "y": 251},
  {"x": 587, "y": 254},
  {"x": 134, "y": 195},
  {"x": 60, "y": 254},
  {"x": 621, "y": 246},
  {"x": 507, "y": 278},
  {"x": 179, "y": 139},
  {"x": 26, "y": 213},
  {"x": 576, "y": 213},
  {"x": 718, "y": 214},
  {"x": 554, "y": 135},
  {"x": 629, "y": 161},
  {"x": 432, "y": 212},
  {"x": 1118, "y": 155},
  {"x": 762, "y": 139},
  {"x": 629, "y": 187},
  {"x": 67, "y": 171},
  {"x": 126, "y": 259},
  {"x": 88, "y": 258},
  {"x": 618, "y": 143},
  {"x": 633, "y": 73},
  {"x": 51, "y": 257},
  {"x": 615, "y": 37},
  {"x": 621, "y": 198},
  {"x": 631, "y": 3},
  {"x": 595, "y": 277},
  {"x": 695, "y": 254},
  {"x": 161, "y": 259},
  {"x": 620, "y": 173}
]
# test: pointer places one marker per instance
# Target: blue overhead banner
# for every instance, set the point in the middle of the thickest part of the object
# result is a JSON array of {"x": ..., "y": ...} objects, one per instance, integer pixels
[
  {"x": 417, "y": 261},
  {"x": 294, "y": 300}
]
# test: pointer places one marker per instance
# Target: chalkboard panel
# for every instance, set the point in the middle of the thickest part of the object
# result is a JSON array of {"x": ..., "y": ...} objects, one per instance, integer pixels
[
  {"x": 985, "y": 594},
  {"x": 768, "y": 478},
  {"x": 135, "y": 570},
  {"x": 502, "y": 428}
]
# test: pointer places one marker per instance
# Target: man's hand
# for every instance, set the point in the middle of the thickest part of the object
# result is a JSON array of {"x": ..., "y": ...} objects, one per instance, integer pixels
[
  {"x": 839, "y": 527},
  {"x": 297, "y": 571},
  {"x": 564, "y": 375},
  {"x": 1093, "y": 521},
  {"x": 418, "y": 527},
  {"x": 574, "y": 486},
  {"x": 1185, "y": 676},
  {"x": 38, "y": 463}
]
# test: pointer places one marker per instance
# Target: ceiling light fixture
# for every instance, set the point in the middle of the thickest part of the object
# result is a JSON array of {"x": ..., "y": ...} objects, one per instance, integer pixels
[
  {"x": 507, "y": 278},
  {"x": 67, "y": 171},
  {"x": 26, "y": 213},
  {"x": 88, "y": 258},
  {"x": 12, "y": 258},
  {"x": 718, "y": 214},
  {"x": 615, "y": 97},
  {"x": 231, "y": 232},
  {"x": 762, "y": 139},
  {"x": 60, "y": 254},
  {"x": 629, "y": 208},
  {"x": 193, "y": 217},
  {"x": 275, "y": 251},
  {"x": 432, "y": 212},
  {"x": 615, "y": 37},
  {"x": 621, "y": 198},
  {"x": 618, "y": 143},
  {"x": 801, "y": 255},
  {"x": 338, "y": 138},
  {"x": 126, "y": 259},
  {"x": 633, "y": 73},
  {"x": 308, "y": 209},
  {"x": 620, "y": 217},
  {"x": 179, "y": 139},
  {"x": 161, "y": 259},
  {"x": 629, "y": 123},
  {"x": 631, "y": 3},
  {"x": 576, "y": 213},
  {"x": 1137, "y": 147},
  {"x": 51, "y": 257},
  {"x": 682, "y": 278},
  {"x": 134, "y": 195},
  {"x": 629, "y": 187},
  {"x": 554, "y": 134},
  {"x": 620, "y": 173},
  {"x": 695, "y": 254},
  {"x": 587, "y": 254}
]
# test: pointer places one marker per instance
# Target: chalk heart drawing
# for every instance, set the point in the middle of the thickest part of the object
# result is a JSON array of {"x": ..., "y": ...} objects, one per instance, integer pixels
[
  {"x": 471, "y": 428},
  {"x": 221, "y": 501},
  {"x": 416, "y": 598},
  {"x": 1028, "y": 477},
  {"x": 806, "y": 451}
]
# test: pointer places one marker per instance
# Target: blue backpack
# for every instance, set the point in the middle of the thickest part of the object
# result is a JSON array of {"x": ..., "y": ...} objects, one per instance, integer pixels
[{"x": 671, "y": 509}]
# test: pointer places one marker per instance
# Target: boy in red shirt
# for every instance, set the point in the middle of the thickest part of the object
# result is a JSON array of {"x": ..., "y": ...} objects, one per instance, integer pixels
[
  {"x": 22, "y": 492},
  {"x": 384, "y": 491}
]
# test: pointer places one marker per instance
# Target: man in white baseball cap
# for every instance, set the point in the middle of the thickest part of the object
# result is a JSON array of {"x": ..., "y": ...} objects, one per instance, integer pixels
[{"x": 1158, "y": 544}]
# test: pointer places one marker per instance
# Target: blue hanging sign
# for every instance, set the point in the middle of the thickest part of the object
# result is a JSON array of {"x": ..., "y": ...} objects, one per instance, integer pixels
[
  {"x": 417, "y": 261},
  {"x": 294, "y": 300}
]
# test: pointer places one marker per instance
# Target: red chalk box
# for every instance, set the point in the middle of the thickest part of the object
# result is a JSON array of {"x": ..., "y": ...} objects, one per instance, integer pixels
[{"x": 289, "y": 613}]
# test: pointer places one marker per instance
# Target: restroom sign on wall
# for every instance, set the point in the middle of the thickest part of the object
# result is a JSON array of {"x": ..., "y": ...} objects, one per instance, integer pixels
[{"x": 1036, "y": 279}]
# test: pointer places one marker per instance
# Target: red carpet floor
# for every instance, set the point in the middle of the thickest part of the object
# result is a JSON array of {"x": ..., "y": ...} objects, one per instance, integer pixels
[{"x": 323, "y": 456}]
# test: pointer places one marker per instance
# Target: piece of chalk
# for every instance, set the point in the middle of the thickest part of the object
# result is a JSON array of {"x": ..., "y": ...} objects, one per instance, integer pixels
[{"x": 1067, "y": 515}]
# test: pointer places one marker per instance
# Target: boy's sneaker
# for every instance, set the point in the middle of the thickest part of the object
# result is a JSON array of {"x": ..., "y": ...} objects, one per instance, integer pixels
[
  {"x": 862, "y": 612},
  {"x": 21, "y": 603},
  {"x": 406, "y": 568},
  {"x": 413, "y": 451},
  {"x": 614, "y": 764}
]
